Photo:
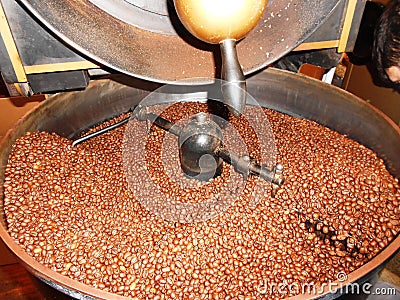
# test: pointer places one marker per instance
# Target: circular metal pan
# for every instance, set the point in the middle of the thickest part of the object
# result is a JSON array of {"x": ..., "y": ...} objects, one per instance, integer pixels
[
  {"x": 69, "y": 113},
  {"x": 171, "y": 56}
]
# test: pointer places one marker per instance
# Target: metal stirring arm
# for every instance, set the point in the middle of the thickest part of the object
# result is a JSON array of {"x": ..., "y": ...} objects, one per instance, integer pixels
[
  {"x": 99, "y": 132},
  {"x": 140, "y": 114},
  {"x": 243, "y": 164},
  {"x": 247, "y": 165}
]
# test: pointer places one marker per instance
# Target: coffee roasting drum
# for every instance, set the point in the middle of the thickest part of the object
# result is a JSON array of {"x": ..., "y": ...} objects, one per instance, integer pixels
[{"x": 147, "y": 42}]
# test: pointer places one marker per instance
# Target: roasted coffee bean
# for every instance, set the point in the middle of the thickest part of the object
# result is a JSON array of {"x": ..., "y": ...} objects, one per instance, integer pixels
[{"x": 72, "y": 210}]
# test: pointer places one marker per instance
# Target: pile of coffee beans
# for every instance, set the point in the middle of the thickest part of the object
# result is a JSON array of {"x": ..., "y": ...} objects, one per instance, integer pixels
[{"x": 71, "y": 209}]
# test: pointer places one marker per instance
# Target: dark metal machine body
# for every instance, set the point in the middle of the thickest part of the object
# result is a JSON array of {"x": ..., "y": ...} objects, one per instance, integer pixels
[{"x": 52, "y": 45}]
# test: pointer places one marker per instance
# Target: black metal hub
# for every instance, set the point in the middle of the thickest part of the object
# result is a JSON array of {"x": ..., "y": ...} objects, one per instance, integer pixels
[{"x": 198, "y": 144}]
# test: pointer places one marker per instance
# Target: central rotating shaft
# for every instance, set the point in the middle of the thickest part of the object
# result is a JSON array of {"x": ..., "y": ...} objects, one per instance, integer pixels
[{"x": 201, "y": 149}]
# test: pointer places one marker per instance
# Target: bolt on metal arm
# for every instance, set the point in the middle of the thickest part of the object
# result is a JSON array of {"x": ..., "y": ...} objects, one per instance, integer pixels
[{"x": 247, "y": 165}]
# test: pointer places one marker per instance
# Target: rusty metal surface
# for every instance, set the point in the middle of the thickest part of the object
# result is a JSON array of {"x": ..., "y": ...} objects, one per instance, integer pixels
[{"x": 171, "y": 57}]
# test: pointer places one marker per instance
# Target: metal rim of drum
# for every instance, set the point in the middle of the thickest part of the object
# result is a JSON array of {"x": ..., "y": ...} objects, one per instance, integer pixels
[
  {"x": 325, "y": 96},
  {"x": 167, "y": 58}
]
